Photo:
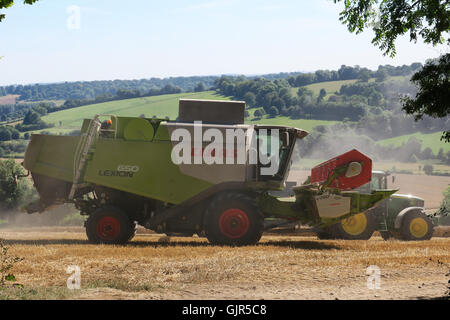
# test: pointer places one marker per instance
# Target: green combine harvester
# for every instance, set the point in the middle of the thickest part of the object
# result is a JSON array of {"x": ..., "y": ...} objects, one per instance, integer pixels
[{"x": 180, "y": 177}]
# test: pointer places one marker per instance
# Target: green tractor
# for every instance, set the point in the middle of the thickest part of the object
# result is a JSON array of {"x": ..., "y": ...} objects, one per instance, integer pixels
[
  {"x": 401, "y": 216},
  {"x": 189, "y": 177}
]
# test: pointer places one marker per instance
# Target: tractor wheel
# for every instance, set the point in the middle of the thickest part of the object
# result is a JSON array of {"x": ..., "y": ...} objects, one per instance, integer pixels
[
  {"x": 109, "y": 225},
  {"x": 360, "y": 226},
  {"x": 416, "y": 226},
  {"x": 325, "y": 234},
  {"x": 233, "y": 219}
]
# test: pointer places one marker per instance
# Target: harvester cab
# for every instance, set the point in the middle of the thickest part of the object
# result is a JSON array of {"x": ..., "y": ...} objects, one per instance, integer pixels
[{"x": 207, "y": 173}]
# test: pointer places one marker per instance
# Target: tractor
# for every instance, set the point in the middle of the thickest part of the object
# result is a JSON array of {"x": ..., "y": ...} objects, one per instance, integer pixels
[
  {"x": 206, "y": 173},
  {"x": 400, "y": 216}
]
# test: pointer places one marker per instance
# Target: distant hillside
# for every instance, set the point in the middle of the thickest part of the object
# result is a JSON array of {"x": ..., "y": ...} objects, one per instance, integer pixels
[
  {"x": 159, "y": 106},
  {"x": 431, "y": 140}
]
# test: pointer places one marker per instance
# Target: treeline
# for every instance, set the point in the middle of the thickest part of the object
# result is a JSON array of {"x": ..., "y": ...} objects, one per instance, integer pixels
[
  {"x": 92, "y": 89},
  {"x": 9, "y": 112},
  {"x": 350, "y": 73},
  {"x": 276, "y": 98}
]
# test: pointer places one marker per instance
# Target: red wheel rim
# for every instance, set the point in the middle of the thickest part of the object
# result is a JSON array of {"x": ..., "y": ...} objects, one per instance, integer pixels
[
  {"x": 108, "y": 228},
  {"x": 234, "y": 223}
]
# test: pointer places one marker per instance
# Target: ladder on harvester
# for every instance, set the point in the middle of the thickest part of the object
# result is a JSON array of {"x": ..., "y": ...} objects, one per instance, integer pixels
[{"x": 82, "y": 151}]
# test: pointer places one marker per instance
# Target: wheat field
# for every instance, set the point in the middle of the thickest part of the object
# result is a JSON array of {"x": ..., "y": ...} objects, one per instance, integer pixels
[{"x": 280, "y": 267}]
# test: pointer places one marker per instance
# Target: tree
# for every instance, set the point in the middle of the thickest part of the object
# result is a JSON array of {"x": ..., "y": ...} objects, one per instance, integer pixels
[
  {"x": 428, "y": 169},
  {"x": 32, "y": 117},
  {"x": 429, "y": 20},
  {"x": 364, "y": 76},
  {"x": 200, "y": 87},
  {"x": 273, "y": 111},
  {"x": 250, "y": 99},
  {"x": 322, "y": 95},
  {"x": 12, "y": 192},
  {"x": 433, "y": 96},
  {"x": 381, "y": 75},
  {"x": 8, "y": 3}
]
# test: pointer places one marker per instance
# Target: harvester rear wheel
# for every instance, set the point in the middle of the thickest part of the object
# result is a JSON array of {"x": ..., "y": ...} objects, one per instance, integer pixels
[
  {"x": 416, "y": 226},
  {"x": 233, "y": 219},
  {"x": 109, "y": 225}
]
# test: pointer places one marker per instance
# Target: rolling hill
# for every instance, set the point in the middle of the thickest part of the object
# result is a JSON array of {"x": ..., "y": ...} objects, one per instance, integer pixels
[
  {"x": 431, "y": 140},
  {"x": 159, "y": 106}
]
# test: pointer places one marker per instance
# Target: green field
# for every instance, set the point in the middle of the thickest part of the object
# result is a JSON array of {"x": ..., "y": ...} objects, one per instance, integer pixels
[
  {"x": 431, "y": 140},
  {"x": 159, "y": 106},
  {"x": 332, "y": 86}
]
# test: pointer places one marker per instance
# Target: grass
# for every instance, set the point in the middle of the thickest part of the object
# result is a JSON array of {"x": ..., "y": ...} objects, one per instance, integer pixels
[
  {"x": 184, "y": 268},
  {"x": 160, "y": 106},
  {"x": 431, "y": 140},
  {"x": 332, "y": 86},
  {"x": 36, "y": 293}
]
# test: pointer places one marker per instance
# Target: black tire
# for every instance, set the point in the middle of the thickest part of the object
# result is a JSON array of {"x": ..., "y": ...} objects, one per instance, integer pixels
[
  {"x": 413, "y": 219},
  {"x": 133, "y": 232},
  {"x": 109, "y": 225},
  {"x": 386, "y": 235},
  {"x": 233, "y": 219},
  {"x": 342, "y": 231},
  {"x": 325, "y": 234}
]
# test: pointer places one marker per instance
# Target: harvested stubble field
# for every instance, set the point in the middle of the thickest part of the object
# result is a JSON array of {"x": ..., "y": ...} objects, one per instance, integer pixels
[{"x": 280, "y": 267}]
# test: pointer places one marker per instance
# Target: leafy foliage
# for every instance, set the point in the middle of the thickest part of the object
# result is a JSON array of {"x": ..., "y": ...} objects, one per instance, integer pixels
[
  {"x": 433, "y": 97},
  {"x": 389, "y": 19},
  {"x": 13, "y": 191},
  {"x": 427, "y": 19},
  {"x": 7, "y": 262},
  {"x": 4, "y": 4}
]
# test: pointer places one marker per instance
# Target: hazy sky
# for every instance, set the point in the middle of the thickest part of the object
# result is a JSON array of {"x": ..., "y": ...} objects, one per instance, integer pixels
[{"x": 142, "y": 39}]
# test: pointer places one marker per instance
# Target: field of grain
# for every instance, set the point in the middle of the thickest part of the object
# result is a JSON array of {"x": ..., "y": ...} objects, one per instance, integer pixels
[
  {"x": 279, "y": 267},
  {"x": 8, "y": 99}
]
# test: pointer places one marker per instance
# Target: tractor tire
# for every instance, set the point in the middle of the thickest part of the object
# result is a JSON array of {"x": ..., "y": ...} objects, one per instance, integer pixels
[
  {"x": 325, "y": 234},
  {"x": 357, "y": 227},
  {"x": 109, "y": 225},
  {"x": 416, "y": 226},
  {"x": 233, "y": 219}
]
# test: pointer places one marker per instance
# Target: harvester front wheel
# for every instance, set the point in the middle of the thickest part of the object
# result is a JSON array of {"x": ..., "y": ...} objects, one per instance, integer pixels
[
  {"x": 233, "y": 219},
  {"x": 416, "y": 226},
  {"x": 109, "y": 225},
  {"x": 357, "y": 227}
]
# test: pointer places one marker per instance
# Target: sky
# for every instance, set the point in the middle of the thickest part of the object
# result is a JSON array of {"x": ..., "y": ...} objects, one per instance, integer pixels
[{"x": 84, "y": 40}]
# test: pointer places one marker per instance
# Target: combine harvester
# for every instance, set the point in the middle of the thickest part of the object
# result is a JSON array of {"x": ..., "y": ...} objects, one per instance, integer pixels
[{"x": 120, "y": 172}]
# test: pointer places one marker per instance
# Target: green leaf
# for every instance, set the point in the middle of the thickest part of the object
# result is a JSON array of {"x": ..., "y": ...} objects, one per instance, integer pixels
[{"x": 10, "y": 277}]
